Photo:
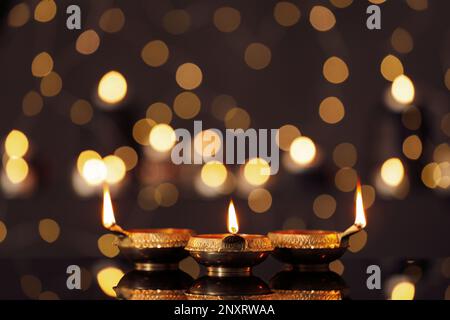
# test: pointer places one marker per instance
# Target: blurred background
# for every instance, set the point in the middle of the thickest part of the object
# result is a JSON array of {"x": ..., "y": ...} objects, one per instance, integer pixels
[{"x": 99, "y": 104}]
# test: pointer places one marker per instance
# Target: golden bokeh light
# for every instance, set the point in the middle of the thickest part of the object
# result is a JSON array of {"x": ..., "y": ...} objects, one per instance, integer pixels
[
  {"x": 106, "y": 245},
  {"x": 81, "y": 112},
  {"x": 337, "y": 267},
  {"x": 49, "y": 230},
  {"x": 112, "y": 20},
  {"x": 341, "y": 3},
  {"x": 368, "y": 196},
  {"x": 16, "y": 144},
  {"x": 31, "y": 286},
  {"x": 166, "y": 194},
  {"x": 412, "y": 147},
  {"x": 115, "y": 169},
  {"x": 324, "y": 206},
  {"x": 51, "y": 84},
  {"x": 286, "y": 13},
  {"x": 87, "y": 42},
  {"x": 155, "y": 53},
  {"x": 42, "y": 64},
  {"x": 3, "y": 231},
  {"x": 237, "y": 118},
  {"x": 146, "y": 198},
  {"x": 331, "y": 110},
  {"x": 159, "y": 112},
  {"x": 177, "y": 21},
  {"x": 392, "y": 172},
  {"x": 431, "y": 175},
  {"x": 442, "y": 153},
  {"x": 19, "y": 15},
  {"x": 403, "y": 290},
  {"x": 187, "y": 105},
  {"x": 190, "y": 266},
  {"x": 303, "y": 150},
  {"x": 345, "y": 155},
  {"x": 402, "y": 41},
  {"x": 128, "y": 155},
  {"x": 207, "y": 143},
  {"x": 227, "y": 19},
  {"x": 322, "y": 18},
  {"x": 94, "y": 172},
  {"x": 141, "y": 131},
  {"x": 418, "y": 5},
  {"x": 346, "y": 179},
  {"x": 257, "y": 56},
  {"x": 285, "y": 135},
  {"x": 391, "y": 67},
  {"x": 112, "y": 87},
  {"x": 108, "y": 278},
  {"x": 402, "y": 90},
  {"x": 45, "y": 11},
  {"x": 162, "y": 137},
  {"x": 214, "y": 174},
  {"x": 84, "y": 156},
  {"x": 32, "y": 103},
  {"x": 335, "y": 70},
  {"x": 358, "y": 241},
  {"x": 257, "y": 171},
  {"x": 189, "y": 76},
  {"x": 16, "y": 170},
  {"x": 259, "y": 200}
]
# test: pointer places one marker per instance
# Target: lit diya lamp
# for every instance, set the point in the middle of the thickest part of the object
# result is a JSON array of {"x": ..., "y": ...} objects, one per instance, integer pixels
[
  {"x": 314, "y": 249},
  {"x": 229, "y": 254},
  {"x": 148, "y": 249}
]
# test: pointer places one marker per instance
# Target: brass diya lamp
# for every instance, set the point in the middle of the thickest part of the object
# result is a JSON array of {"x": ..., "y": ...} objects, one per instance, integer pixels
[
  {"x": 148, "y": 249},
  {"x": 315, "y": 249},
  {"x": 301, "y": 285},
  {"x": 153, "y": 285},
  {"x": 229, "y": 254},
  {"x": 229, "y": 288}
]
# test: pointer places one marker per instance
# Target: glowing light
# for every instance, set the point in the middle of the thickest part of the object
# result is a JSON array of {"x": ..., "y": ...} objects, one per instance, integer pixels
[
  {"x": 84, "y": 157},
  {"x": 108, "y": 218},
  {"x": 16, "y": 170},
  {"x": 207, "y": 143},
  {"x": 49, "y": 230},
  {"x": 108, "y": 278},
  {"x": 403, "y": 90},
  {"x": 233, "y": 225},
  {"x": 115, "y": 169},
  {"x": 16, "y": 144},
  {"x": 106, "y": 245},
  {"x": 42, "y": 65},
  {"x": 189, "y": 76},
  {"x": 94, "y": 172},
  {"x": 112, "y": 87},
  {"x": 45, "y": 11},
  {"x": 214, "y": 174},
  {"x": 257, "y": 171},
  {"x": 162, "y": 137},
  {"x": 392, "y": 172},
  {"x": 360, "y": 217},
  {"x": 403, "y": 291},
  {"x": 302, "y": 150}
]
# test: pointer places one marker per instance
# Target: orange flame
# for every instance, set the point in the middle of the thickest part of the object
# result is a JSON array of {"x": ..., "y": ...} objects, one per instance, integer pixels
[
  {"x": 108, "y": 219},
  {"x": 360, "y": 217},
  {"x": 233, "y": 226}
]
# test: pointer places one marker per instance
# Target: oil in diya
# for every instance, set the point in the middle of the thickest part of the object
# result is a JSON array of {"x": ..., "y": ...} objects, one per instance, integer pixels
[
  {"x": 229, "y": 254},
  {"x": 148, "y": 249},
  {"x": 315, "y": 249}
]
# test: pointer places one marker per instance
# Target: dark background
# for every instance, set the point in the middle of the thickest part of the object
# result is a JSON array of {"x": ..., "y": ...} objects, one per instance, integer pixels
[{"x": 289, "y": 90}]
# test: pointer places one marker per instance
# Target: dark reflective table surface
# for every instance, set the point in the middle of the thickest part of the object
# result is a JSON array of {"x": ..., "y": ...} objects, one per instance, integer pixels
[{"x": 115, "y": 278}]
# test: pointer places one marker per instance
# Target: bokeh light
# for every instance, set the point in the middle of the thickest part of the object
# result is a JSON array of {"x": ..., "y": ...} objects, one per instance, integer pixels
[
  {"x": 112, "y": 87},
  {"x": 189, "y": 76},
  {"x": 259, "y": 200},
  {"x": 16, "y": 170},
  {"x": 42, "y": 64},
  {"x": 324, "y": 206},
  {"x": 403, "y": 90},
  {"x": 286, "y": 13},
  {"x": 115, "y": 169},
  {"x": 187, "y": 105},
  {"x": 49, "y": 230},
  {"x": 155, "y": 53},
  {"x": 214, "y": 174},
  {"x": 87, "y": 42},
  {"x": 227, "y": 19},
  {"x": 403, "y": 291},
  {"x": 94, "y": 172},
  {"x": 16, "y": 144},
  {"x": 257, "y": 171},
  {"x": 257, "y": 56},
  {"x": 331, "y": 110},
  {"x": 302, "y": 150},
  {"x": 335, "y": 70},
  {"x": 112, "y": 20},
  {"x": 392, "y": 172},
  {"x": 322, "y": 18},
  {"x": 108, "y": 278},
  {"x": 162, "y": 137}
]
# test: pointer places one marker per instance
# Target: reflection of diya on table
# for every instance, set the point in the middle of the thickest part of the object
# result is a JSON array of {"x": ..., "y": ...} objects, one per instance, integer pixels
[{"x": 153, "y": 285}]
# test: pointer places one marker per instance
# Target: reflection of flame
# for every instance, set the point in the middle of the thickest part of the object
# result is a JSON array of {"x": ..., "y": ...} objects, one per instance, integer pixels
[
  {"x": 233, "y": 226},
  {"x": 108, "y": 212},
  {"x": 360, "y": 218}
]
